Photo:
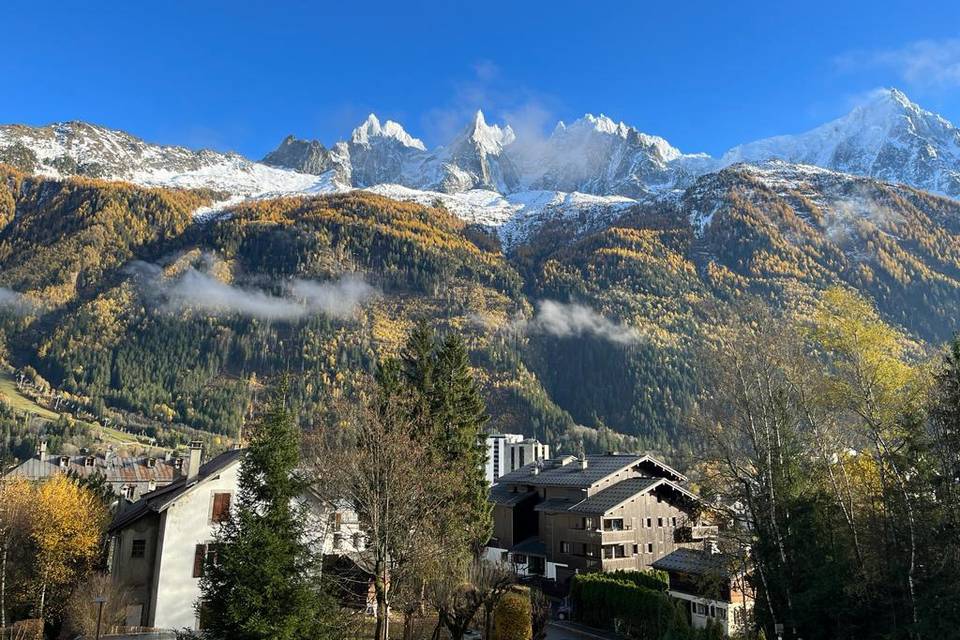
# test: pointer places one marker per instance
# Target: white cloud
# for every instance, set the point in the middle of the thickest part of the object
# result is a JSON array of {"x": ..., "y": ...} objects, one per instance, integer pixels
[
  {"x": 567, "y": 320},
  {"x": 14, "y": 302},
  {"x": 924, "y": 63},
  {"x": 198, "y": 291}
]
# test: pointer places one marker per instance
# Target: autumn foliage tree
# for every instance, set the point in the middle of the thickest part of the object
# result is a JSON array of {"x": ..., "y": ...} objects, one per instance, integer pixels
[{"x": 67, "y": 523}]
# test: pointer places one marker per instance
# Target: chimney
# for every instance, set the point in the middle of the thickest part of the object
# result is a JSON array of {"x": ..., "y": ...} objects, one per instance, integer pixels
[
  {"x": 583, "y": 463},
  {"x": 193, "y": 462},
  {"x": 42, "y": 449}
]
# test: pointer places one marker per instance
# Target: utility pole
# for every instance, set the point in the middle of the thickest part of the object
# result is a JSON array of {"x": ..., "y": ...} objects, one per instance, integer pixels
[{"x": 99, "y": 600}]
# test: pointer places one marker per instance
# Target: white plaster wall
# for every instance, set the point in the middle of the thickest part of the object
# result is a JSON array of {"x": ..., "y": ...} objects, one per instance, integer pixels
[{"x": 185, "y": 525}]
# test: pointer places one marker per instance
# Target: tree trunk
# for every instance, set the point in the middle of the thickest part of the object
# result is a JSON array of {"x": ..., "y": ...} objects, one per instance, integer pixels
[
  {"x": 43, "y": 597},
  {"x": 3, "y": 588}
]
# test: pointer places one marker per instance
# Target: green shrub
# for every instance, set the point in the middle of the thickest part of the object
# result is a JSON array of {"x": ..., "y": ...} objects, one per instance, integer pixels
[
  {"x": 512, "y": 617},
  {"x": 624, "y": 600}
]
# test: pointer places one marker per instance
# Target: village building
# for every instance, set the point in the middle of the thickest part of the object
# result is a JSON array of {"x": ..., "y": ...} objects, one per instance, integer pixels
[
  {"x": 712, "y": 586},
  {"x": 129, "y": 477},
  {"x": 507, "y": 452},
  {"x": 555, "y": 518},
  {"x": 161, "y": 543}
]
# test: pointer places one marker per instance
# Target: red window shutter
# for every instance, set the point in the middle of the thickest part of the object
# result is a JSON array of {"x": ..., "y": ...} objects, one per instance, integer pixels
[{"x": 199, "y": 555}]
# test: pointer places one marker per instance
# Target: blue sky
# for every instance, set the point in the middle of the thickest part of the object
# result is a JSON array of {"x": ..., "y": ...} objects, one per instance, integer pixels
[{"x": 241, "y": 75}]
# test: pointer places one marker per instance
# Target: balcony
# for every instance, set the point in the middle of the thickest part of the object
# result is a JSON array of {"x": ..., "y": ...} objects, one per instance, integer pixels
[
  {"x": 612, "y": 536},
  {"x": 583, "y": 535}
]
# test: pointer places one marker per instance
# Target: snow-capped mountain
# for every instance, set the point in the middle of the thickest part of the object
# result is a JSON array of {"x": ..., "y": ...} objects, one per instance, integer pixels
[
  {"x": 587, "y": 171},
  {"x": 81, "y": 149},
  {"x": 598, "y": 156},
  {"x": 888, "y": 137}
]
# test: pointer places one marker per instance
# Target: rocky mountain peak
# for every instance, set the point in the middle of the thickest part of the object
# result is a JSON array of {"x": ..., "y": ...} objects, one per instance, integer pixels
[{"x": 371, "y": 130}]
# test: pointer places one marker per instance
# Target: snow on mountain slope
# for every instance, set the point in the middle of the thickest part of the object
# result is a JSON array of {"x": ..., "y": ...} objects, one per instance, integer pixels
[
  {"x": 516, "y": 216},
  {"x": 583, "y": 174},
  {"x": 889, "y": 138},
  {"x": 596, "y": 155},
  {"x": 81, "y": 149}
]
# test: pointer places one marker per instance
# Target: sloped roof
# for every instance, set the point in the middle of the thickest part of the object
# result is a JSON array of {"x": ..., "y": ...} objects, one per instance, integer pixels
[
  {"x": 502, "y": 495},
  {"x": 551, "y": 473},
  {"x": 115, "y": 469},
  {"x": 555, "y": 505},
  {"x": 157, "y": 501},
  {"x": 615, "y": 495},
  {"x": 531, "y": 546},
  {"x": 694, "y": 562}
]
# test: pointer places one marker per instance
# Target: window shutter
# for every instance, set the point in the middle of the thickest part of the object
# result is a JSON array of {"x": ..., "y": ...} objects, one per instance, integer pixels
[
  {"x": 199, "y": 555},
  {"x": 221, "y": 507}
]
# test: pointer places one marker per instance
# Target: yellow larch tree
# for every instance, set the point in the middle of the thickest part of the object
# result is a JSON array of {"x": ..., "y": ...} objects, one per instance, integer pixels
[{"x": 67, "y": 521}]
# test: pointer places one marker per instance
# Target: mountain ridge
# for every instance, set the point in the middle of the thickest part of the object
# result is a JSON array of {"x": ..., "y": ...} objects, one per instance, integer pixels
[{"x": 590, "y": 168}]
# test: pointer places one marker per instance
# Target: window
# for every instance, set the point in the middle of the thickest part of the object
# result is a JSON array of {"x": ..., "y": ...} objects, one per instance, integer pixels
[
  {"x": 620, "y": 551},
  {"x": 636, "y": 549},
  {"x": 721, "y": 613},
  {"x": 649, "y": 547},
  {"x": 138, "y": 549},
  {"x": 203, "y": 555},
  {"x": 127, "y": 491},
  {"x": 336, "y": 519},
  {"x": 221, "y": 507},
  {"x": 613, "y": 524},
  {"x": 589, "y": 523},
  {"x": 537, "y": 565},
  {"x": 564, "y": 547},
  {"x": 608, "y": 552},
  {"x": 701, "y": 609},
  {"x": 649, "y": 522},
  {"x": 357, "y": 540},
  {"x": 673, "y": 522},
  {"x": 519, "y": 558},
  {"x": 337, "y": 541}
]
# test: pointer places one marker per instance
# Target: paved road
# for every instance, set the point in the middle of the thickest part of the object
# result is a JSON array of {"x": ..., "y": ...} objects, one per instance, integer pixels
[{"x": 571, "y": 631}]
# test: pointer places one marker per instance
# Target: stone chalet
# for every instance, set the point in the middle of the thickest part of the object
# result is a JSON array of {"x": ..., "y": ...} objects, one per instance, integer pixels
[{"x": 558, "y": 517}]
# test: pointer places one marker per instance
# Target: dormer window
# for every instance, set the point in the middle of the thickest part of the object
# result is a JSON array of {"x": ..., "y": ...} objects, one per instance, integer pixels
[
  {"x": 178, "y": 464},
  {"x": 63, "y": 461},
  {"x": 89, "y": 461},
  {"x": 151, "y": 462},
  {"x": 127, "y": 491}
]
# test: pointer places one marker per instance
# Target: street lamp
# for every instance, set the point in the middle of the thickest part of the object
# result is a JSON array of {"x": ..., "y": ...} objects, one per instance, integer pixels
[{"x": 99, "y": 600}]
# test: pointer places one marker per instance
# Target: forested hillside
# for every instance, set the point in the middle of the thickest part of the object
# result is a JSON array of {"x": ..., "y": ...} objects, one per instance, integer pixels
[{"x": 116, "y": 294}]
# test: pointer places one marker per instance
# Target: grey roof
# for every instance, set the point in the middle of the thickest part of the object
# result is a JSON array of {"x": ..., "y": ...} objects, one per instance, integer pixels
[
  {"x": 531, "y": 546},
  {"x": 501, "y": 494},
  {"x": 551, "y": 473},
  {"x": 555, "y": 505},
  {"x": 115, "y": 469},
  {"x": 614, "y": 495},
  {"x": 695, "y": 562},
  {"x": 157, "y": 501}
]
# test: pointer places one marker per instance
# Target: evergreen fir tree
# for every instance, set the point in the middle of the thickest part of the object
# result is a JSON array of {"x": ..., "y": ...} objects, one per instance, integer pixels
[
  {"x": 459, "y": 411},
  {"x": 262, "y": 581}
]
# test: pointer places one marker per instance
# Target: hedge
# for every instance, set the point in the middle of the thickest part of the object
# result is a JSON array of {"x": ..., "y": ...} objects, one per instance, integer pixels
[{"x": 638, "y": 600}]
